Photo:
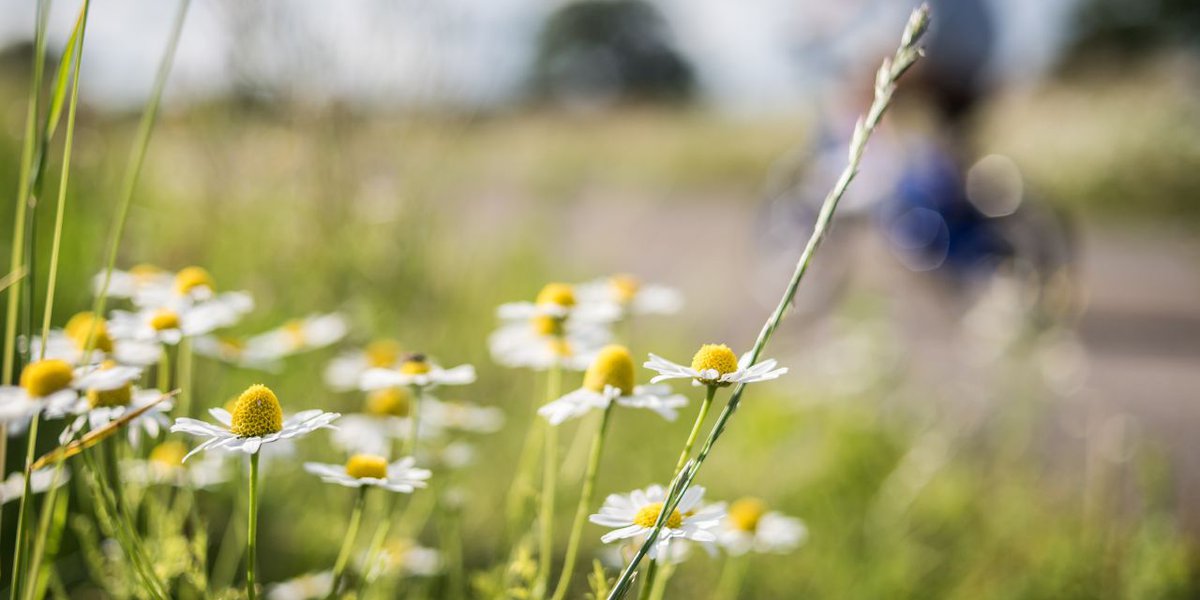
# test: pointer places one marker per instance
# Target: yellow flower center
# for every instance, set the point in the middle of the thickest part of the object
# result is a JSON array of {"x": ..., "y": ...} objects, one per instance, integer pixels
[
  {"x": 367, "y": 465},
  {"x": 415, "y": 364},
  {"x": 383, "y": 353},
  {"x": 79, "y": 324},
  {"x": 110, "y": 398},
  {"x": 745, "y": 513},
  {"x": 560, "y": 347},
  {"x": 389, "y": 402},
  {"x": 44, "y": 377},
  {"x": 164, "y": 319},
  {"x": 257, "y": 413},
  {"x": 647, "y": 516},
  {"x": 97, "y": 329},
  {"x": 144, "y": 271},
  {"x": 557, "y": 293},
  {"x": 548, "y": 326},
  {"x": 295, "y": 332},
  {"x": 624, "y": 287},
  {"x": 612, "y": 366},
  {"x": 191, "y": 278},
  {"x": 169, "y": 454},
  {"x": 717, "y": 357}
]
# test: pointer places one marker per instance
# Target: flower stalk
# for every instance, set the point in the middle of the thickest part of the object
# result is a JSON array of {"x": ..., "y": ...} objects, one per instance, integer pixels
[
  {"x": 252, "y": 527},
  {"x": 695, "y": 433},
  {"x": 339, "y": 567},
  {"x": 585, "y": 501}
]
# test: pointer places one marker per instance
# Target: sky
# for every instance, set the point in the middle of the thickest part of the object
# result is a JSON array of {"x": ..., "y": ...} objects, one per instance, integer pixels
[{"x": 750, "y": 56}]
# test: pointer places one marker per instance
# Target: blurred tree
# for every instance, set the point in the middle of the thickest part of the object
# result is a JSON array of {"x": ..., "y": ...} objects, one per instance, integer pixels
[
  {"x": 1132, "y": 27},
  {"x": 597, "y": 52}
]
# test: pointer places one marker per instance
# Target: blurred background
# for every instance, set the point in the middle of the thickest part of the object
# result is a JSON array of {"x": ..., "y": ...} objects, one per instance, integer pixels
[{"x": 995, "y": 361}]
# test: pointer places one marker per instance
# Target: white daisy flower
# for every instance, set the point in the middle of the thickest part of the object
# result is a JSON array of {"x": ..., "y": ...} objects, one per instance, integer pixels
[
  {"x": 558, "y": 301},
  {"x": 257, "y": 419},
  {"x": 189, "y": 284},
  {"x": 85, "y": 336},
  {"x": 611, "y": 378},
  {"x": 345, "y": 370},
  {"x": 717, "y": 365},
  {"x": 13, "y": 487},
  {"x": 749, "y": 526},
  {"x": 630, "y": 295},
  {"x": 373, "y": 470},
  {"x": 460, "y": 416},
  {"x": 543, "y": 341},
  {"x": 99, "y": 407},
  {"x": 385, "y": 418},
  {"x": 170, "y": 324},
  {"x": 52, "y": 385},
  {"x": 165, "y": 466},
  {"x": 299, "y": 335},
  {"x": 309, "y": 586},
  {"x": 634, "y": 515},
  {"x": 128, "y": 284},
  {"x": 404, "y": 557},
  {"x": 416, "y": 370}
]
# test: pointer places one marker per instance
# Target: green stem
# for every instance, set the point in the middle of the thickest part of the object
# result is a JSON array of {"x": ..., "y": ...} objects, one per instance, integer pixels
[
  {"x": 64, "y": 180},
  {"x": 21, "y": 558},
  {"x": 414, "y": 421},
  {"x": 691, "y": 440},
  {"x": 650, "y": 574},
  {"x": 252, "y": 527},
  {"x": 585, "y": 501},
  {"x": 661, "y": 583},
  {"x": 339, "y": 567},
  {"x": 183, "y": 372},
  {"x": 549, "y": 485},
  {"x": 885, "y": 85},
  {"x": 163, "y": 379},
  {"x": 730, "y": 582}
]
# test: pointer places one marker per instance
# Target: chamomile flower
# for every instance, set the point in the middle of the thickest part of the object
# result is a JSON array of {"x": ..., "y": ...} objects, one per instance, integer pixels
[
  {"x": 189, "y": 284},
  {"x": 42, "y": 480},
  {"x": 416, "y": 370},
  {"x": 128, "y": 284},
  {"x": 165, "y": 466},
  {"x": 98, "y": 407},
  {"x": 298, "y": 335},
  {"x": 460, "y": 416},
  {"x": 170, "y": 324},
  {"x": 87, "y": 338},
  {"x": 373, "y": 470},
  {"x": 309, "y": 586},
  {"x": 715, "y": 365},
  {"x": 634, "y": 515},
  {"x": 385, "y": 418},
  {"x": 610, "y": 378},
  {"x": 558, "y": 301},
  {"x": 53, "y": 385},
  {"x": 344, "y": 371},
  {"x": 257, "y": 419},
  {"x": 543, "y": 341},
  {"x": 631, "y": 295},
  {"x": 404, "y": 557},
  {"x": 749, "y": 526}
]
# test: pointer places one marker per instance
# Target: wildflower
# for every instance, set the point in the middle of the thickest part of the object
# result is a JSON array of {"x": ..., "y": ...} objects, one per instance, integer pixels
[
  {"x": 749, "y": 526},
  {"x": 631, "y": 295},
  {"x": 309, "y": 333},
  {"x": 53, "y": 385},
  {"x": 715, "y": 365},
  {"x": 610, "y": 377},
  {"x": 305, "y": 587},
  {"x": 405, "y": 557},
  {"x": 86, "y": 337},
  {"x": 165, "y": 465},
  {"x": 373, "y": 470},
  {"x": 558, "y": 300},
  {"x": 135, "y": 281},
  {"x": 98, "y": 407},
  {"x": 552, "y": 331},
  {"x": 169, "y": 324},
  {"x": 42, "y": 480},
  {"x": 461, "y": 416},
  {"x": 257, "y": 419},
  {"x": 416, "y": 370},
  {"x": 634, "y": 515},
  {"x": 345, "y": 370}
]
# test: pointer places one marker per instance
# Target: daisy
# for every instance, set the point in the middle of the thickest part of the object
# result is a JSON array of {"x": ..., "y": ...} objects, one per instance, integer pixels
[
  {"x": 385, "y": 418},
  {"x": 715, "y": 365},
  {"x": 460, "y": 416},
  {"x": 631, "y": 295},
  {"x": 298, "y": 335},
  {"x": 190, "y": 283},
  {"x": 86, "y": 337},
  {"x": 749, "y": 526},
  {"x": 98, "y": 407},
  {"x": 542, "y": 341},
  {"x": 13, "y": 487},
  {"x": 344, "y": 371},
  {"x": 52, "y": 385},
  {"x": 128, "y": 284},
  {"x": 169, "y": 324},
  {"x": 558, "y": 300},
  {"x": 611, "y": 378},
  {"x": 256, "y": 419},
  {"x": 309, "y": 586},
  {"x": 405, "y": 557},
  {"x": 165, "y": 466},
  {"x": 373, "y": 470},
  {"x": 416, "y": 370},
  {"x": 634, "y": 515}
]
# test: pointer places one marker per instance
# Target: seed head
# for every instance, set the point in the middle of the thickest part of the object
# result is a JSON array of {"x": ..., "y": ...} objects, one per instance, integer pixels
[
  {"x": 257, "y": 413},
  {"x": 44, "y": 377},
  {"x": 367, "y": 465},
  {"x": 560, "y": 294},
  {"x": 647, "y": 516},
  {"x": 613, "y": 366}
]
